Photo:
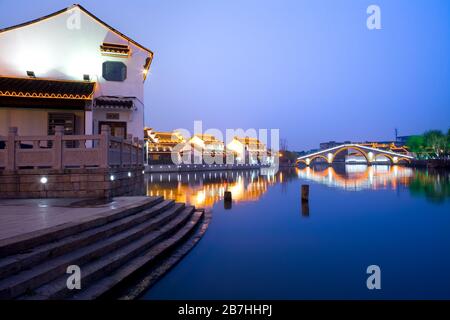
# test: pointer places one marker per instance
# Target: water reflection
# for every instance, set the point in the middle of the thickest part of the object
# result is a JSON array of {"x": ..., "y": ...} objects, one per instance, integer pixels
[
  {"x": 434, "y": 185},
  {"x": 359, "y": 177},
  {"x": 204, "y": 189}
]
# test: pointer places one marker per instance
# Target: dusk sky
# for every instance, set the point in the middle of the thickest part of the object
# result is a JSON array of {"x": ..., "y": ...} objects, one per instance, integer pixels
[{"x": 309, "y": 68}]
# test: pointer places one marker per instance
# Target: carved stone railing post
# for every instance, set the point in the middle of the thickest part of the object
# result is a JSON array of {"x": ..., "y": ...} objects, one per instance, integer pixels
[
  {"x": 130, "y": 148},
  {"x": 11, "y": 149},
  {"x": 141, "y": 150},
  {"x": 121, "y": 145},
  {"x": 104, "y": 146},
  {"x": 58, "y": 148},
  {"x": 136, "y": 150}
]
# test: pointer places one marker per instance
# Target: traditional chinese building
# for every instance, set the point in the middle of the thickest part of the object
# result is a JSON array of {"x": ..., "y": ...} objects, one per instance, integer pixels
[
  {"x": 162, "y": 146},
  {"x": 71, "y": 107},
  {"x": 71, "y": 69},
  {"x": 248, "y": 150},
  {"x": 201, "y": 148}
]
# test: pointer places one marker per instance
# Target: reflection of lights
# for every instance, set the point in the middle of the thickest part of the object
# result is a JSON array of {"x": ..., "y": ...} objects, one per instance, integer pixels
[
  {"x": 207, "y": 192},
  {"x": 330, "y": 157},
  {"x": 200, "y": 198},
  {"x": 359, "y": 177}
]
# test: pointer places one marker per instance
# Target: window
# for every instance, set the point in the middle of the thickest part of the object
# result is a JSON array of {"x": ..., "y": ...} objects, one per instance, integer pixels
[
  {"x": 114, "y": 71},
  {"x": 67, "y": 121}
]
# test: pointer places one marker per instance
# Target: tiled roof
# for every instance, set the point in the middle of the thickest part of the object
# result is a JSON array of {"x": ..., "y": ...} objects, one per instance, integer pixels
[
  {"x": 46, "y": 88},
  {"x": 114, "y": 103}
]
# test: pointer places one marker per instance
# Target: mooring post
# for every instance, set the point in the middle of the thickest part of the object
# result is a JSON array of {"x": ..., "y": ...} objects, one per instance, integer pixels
[
  {"x": 228, "y": 196},
  {"x": 227, "y": 200},
  {"x": 305, "y": 193},
  {"x": 305, "y": 209}
]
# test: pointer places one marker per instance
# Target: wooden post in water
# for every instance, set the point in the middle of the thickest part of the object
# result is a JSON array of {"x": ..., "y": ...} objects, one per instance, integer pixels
[
  {"x": 305, "y": 193},
  {"x": 305, "y": 209},
  {"x": 228, "y": 196},
  {"x": 228, "y": 199}
]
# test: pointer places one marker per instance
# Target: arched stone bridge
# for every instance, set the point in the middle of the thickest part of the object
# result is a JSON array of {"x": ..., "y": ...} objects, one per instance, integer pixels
[{"x": 369, "y": 153}]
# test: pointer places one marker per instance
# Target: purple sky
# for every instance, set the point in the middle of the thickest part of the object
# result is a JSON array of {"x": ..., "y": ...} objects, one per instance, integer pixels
[{"x": 310, "y": 68}]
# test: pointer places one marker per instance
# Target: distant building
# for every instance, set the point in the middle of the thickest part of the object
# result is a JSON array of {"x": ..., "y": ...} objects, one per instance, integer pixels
[
  {"x": 248, "y": 150},
  {"x": 161, "y": 146},
  {"x": 204, "y": 146}
]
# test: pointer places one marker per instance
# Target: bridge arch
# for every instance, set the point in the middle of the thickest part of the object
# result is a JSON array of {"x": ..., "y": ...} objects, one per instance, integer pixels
[
  {"x": 361, "y": 151},
  {"x": 317, "y": 157},
  {"x": 392, "y": 159}
]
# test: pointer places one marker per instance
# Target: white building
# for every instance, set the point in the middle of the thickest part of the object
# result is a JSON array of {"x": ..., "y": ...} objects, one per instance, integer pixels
[
  {"x": 249, "y": 150},
  {"x": 72, "y": 69}
]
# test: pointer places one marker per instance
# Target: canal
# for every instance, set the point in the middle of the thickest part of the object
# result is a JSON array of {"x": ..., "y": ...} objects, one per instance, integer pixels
[{"x": 270, "y": 246}]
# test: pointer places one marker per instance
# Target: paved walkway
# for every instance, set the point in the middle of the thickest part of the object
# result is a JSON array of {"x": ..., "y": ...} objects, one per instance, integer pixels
[{"x": 22, "y": 216}]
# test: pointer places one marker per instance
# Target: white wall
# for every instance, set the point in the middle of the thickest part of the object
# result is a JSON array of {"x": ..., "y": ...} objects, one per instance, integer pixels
[
  {"x": 56, "y": 49},
  {"x": 33, "y": 122}
]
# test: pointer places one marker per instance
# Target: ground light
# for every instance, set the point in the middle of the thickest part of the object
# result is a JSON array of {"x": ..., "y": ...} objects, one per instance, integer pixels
[
  {"x": 112, "y": 177},
  {"x": 44, "y": 180}
]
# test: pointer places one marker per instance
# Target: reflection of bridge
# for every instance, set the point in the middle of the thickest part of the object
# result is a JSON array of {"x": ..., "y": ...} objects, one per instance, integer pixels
[
  {"x": 369, "y": 153},
  {"x": 359, "y": 177}
]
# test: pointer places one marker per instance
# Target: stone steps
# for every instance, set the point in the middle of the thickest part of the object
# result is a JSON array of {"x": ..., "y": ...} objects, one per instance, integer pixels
[
  {"x": 106, "y": 247},
  {"x": 28, "y": 241},
  {"x": 148, "y": 258},
  {"x": 118, "y": 265},
  {"x": 21, "y": 261}
]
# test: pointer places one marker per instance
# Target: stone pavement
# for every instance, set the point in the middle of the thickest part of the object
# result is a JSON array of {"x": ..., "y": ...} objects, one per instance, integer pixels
[{"x": 22, "y": 216}]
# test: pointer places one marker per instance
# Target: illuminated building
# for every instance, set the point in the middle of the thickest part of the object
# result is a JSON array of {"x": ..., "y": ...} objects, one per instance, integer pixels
[
  {"x": 162, "y": 146},
  {"x": 202, "y": 147},
  {"x": 71, "y": 69},
  {"x": 249, "y": 150}
]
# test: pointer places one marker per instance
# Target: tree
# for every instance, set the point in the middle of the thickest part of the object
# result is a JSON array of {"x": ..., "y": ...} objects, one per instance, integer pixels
[
  {"x": 416, "y": 144},
  {"x": 436, "y": 141}
]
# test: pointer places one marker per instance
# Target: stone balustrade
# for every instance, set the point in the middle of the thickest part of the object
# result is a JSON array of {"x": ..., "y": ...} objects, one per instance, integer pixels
[{"x": 61, "y": 151}]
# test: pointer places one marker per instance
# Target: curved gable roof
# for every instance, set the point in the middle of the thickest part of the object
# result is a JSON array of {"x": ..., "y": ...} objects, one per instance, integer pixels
[{"x": 87, "y": 13}]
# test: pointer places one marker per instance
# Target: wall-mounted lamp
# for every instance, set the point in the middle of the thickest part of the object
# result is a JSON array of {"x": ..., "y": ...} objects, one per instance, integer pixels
[
  {"x": 31, "y": 74},
  {"x": 86, "y": 77}
]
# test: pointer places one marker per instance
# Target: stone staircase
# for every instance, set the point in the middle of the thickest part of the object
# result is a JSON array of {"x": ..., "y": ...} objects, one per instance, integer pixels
[{"x": 110, "y": 250}]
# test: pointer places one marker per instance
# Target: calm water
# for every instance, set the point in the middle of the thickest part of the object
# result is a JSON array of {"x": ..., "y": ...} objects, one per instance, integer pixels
[{"x": 269, "y": 246}]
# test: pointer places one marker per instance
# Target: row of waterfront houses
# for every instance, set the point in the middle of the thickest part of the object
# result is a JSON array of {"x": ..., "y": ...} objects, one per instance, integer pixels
[{"x": 173, "y": 147}]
